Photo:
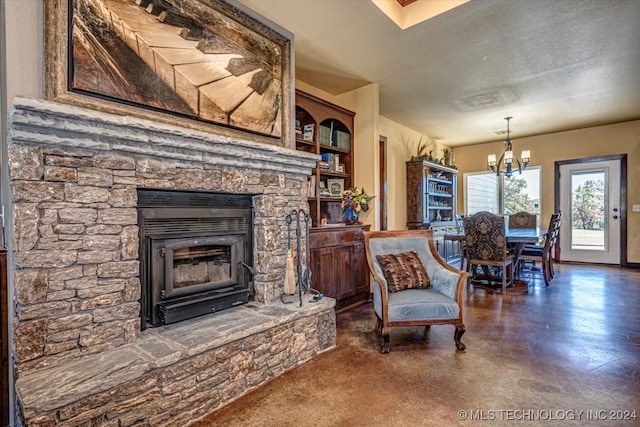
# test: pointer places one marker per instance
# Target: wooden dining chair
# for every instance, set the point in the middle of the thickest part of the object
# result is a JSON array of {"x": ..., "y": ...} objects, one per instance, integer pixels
[
  {"x": 461, "y": 252},
  {"x": 486, "y": 246},
  {"x": 523, "y": 220},
  {"x": 544, "y": 253},
  {"x": 554, "y": 240}
]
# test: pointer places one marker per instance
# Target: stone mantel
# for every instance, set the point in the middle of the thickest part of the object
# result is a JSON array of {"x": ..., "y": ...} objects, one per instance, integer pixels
[{"x": 40, "y": 122}]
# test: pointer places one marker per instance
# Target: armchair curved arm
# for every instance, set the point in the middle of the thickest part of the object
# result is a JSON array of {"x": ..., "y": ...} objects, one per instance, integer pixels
[{"x": 448, "y": 282}]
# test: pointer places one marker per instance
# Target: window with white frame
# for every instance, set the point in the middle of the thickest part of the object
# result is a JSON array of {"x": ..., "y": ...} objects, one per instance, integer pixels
[{"x": 485, "y": 191}]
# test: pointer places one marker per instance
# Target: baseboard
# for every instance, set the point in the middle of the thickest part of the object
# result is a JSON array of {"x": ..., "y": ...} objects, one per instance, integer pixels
[{"x": 631, "y": 265}]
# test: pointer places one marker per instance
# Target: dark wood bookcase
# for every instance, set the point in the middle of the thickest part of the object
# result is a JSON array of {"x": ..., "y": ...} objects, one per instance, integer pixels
[
  {"x": 338, "y": 260},
  {"x": 332, "y": 136}
]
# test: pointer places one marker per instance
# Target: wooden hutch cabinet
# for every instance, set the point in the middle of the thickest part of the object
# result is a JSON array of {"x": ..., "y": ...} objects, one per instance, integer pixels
[
  {"x": 338, "y": 261},
  {"x": 431, "y": 198},
  {"x": 339, "y": 264}
]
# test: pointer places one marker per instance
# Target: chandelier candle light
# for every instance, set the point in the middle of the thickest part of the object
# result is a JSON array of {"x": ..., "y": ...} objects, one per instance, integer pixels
[{"x": 508, "y": 157}]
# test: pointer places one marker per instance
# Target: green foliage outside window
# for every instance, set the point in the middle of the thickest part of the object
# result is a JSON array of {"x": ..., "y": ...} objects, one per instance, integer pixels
[
  {"x": 588, "y": 206},
  {"x": 516, "y": 198}
]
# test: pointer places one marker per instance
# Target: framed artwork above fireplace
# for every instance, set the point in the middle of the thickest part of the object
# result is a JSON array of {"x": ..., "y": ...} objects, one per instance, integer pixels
[{"x": 204, "y": 64}]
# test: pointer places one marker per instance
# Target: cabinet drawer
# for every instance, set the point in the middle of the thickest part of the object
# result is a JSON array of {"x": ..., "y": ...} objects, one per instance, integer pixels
[
  {"x": 325, "y": 238},
  {"x": 439, "y": 231}
]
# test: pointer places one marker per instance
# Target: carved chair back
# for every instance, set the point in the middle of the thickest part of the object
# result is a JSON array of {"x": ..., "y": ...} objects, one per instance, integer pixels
[
  {"x": 523, "y": 220},
  {"x": 485, "y": 237}
]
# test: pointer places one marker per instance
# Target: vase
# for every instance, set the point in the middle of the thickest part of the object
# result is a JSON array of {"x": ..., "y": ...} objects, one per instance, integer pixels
[{"x": 350, "y": 216}]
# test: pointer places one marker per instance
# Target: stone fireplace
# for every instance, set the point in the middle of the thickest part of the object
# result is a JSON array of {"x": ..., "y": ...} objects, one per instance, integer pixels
[{"x": 78, "y": 182}]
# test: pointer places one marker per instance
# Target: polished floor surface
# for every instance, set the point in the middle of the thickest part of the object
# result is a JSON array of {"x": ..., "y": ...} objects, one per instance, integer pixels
[{"x": 564, "y": 355}]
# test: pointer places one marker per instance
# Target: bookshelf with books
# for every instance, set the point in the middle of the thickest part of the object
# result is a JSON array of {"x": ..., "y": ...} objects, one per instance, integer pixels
[
  {"x": 337, "y": 251},
  {"x": 326, "y": 129}
]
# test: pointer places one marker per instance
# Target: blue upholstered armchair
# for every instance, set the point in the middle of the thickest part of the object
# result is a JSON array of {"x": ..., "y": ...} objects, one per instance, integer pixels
[{"x": 413, "y": 285}]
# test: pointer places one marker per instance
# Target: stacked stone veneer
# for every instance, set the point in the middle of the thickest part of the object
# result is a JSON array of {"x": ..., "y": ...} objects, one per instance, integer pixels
[{"x": 79, "y": 355}]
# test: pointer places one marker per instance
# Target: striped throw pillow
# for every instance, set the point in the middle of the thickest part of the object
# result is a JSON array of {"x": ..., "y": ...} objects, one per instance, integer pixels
[{"x": 403, "y": 271}]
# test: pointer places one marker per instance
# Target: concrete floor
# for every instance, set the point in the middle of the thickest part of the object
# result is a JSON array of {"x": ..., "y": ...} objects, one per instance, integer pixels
[{"x": 564, "y": 355}]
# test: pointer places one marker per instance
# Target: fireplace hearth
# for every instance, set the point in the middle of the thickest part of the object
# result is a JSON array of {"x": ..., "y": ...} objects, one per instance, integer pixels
[{"x": 195, "y": 252}]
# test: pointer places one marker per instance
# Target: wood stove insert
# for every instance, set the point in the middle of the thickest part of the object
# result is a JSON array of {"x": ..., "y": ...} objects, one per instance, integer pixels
[{"x": 196, "y": 253}]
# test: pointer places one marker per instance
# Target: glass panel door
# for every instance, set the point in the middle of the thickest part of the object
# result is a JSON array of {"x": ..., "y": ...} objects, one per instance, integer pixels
[
  {"x": 589, "y": 199},
  {"x": 587, "y": 210}
]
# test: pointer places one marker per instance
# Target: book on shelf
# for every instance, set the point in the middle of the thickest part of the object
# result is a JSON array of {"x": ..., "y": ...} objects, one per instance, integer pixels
[
  {"x": 341, "y": 139},
  {"x": 311, "y": 186},
  {"x": 326, "y": 157},
  {"x": 336, "y": 187},
  {"x": 323, "y": 165},
  {"x": 333, "y": 143},
  {"x": 307, "y": 134},
  {"x": 323, "y": 191},
  {"x": 325, "y": 135},
  {"x": 298, "y": 128},
  {"x": 332, "y": 161}
]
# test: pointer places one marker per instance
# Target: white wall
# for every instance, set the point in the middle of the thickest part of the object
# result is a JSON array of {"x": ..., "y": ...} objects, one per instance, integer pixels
[
  {"x": 24, "y": 57},
  {"x": 402, "y": 143},
  {"x": 365, "y": 101},
  {"x": 21, "y": 70}
]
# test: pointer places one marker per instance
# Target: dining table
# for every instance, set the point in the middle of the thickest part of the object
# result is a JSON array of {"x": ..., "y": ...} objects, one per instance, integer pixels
[{"x": 517, "y": 238}]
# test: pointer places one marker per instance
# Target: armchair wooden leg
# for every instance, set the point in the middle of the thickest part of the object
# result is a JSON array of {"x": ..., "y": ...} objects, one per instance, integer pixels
[
  {"x": 385, "y": 341},
  {"x": 460, "y": 329},
  {"x": 379, "y": 327}
]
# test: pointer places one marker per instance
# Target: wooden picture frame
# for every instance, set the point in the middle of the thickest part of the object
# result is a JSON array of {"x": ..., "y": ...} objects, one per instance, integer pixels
[
  {"x": 336, "y": 187},
  {"x": 205, "y": 64}
]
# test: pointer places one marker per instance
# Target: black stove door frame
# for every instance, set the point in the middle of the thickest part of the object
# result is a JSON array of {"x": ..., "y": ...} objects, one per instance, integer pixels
[{"x": 235, "y": 242}]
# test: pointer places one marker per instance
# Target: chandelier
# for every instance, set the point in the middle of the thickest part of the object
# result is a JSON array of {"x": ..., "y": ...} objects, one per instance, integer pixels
[{"x": 507, "y": 159}]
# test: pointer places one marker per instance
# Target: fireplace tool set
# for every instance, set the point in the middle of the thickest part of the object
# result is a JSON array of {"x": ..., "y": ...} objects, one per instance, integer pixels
[{"x": 298, "y": 274}]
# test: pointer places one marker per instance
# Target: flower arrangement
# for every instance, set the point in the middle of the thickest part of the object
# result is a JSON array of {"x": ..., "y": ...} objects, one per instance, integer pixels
[{"x": 354, "y": 201}]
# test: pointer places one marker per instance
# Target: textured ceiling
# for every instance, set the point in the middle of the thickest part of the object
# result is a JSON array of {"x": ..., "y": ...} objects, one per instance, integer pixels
[{"x": 551, "y": 64}]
